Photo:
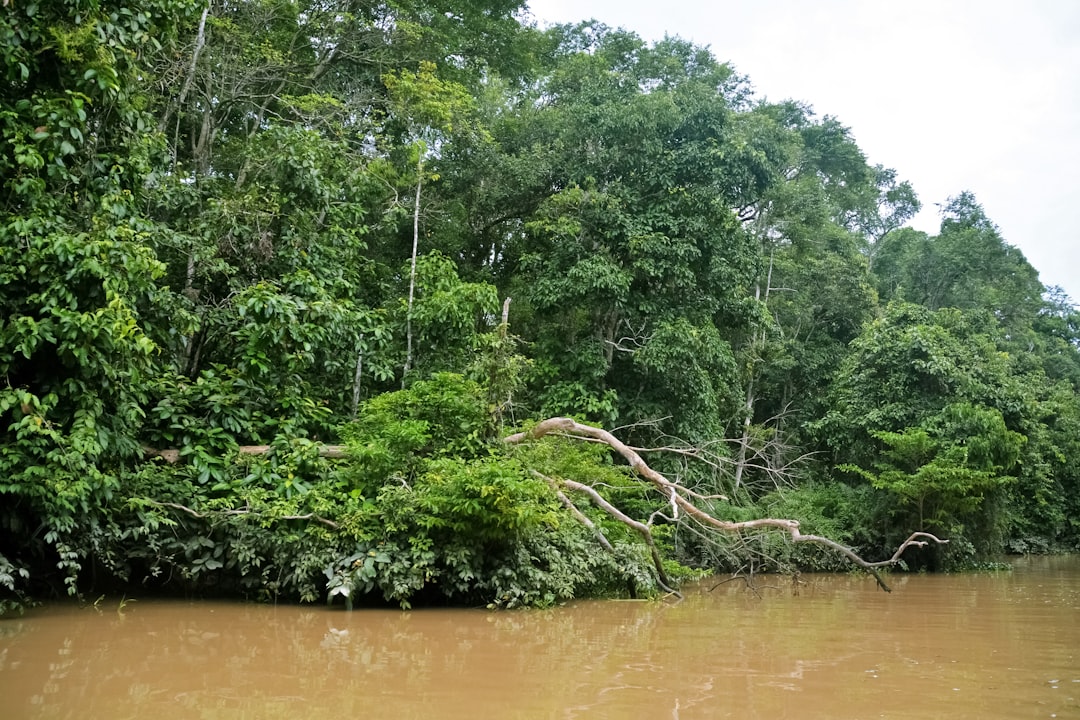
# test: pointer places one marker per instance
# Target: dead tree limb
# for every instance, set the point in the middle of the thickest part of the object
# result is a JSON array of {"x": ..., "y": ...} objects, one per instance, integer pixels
[
  {"x": 676, "y": 495},
  {"x": 556, "y": 485},
  {"x": 578, "y": 515}
]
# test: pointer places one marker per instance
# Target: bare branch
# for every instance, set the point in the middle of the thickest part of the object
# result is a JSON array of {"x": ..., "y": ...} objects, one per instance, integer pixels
[
  {"x": 908, "y": 543},
  {"x": 200, "y": 40},
  {"x": 580, "y": 516},
  {"x": 641, "y": 528},
  {"x": 653, "y": 423},
  {"x": 771, "y": 457},
  {"x": 636, "y": 340}
]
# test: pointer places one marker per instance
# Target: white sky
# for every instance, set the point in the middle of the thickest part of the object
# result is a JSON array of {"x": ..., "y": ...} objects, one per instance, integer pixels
[{"x": 979, "y": 95}]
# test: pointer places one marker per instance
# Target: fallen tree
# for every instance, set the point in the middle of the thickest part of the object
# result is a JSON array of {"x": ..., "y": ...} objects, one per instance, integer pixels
[{"x": 681, "y": 500}]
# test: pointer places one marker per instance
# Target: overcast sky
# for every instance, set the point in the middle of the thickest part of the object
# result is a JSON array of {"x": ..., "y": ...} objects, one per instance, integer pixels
[{"x": 980, "y": 95}]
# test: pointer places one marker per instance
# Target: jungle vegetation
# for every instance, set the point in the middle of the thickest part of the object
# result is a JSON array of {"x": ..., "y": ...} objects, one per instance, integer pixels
[{"x": 408, "y": 229}]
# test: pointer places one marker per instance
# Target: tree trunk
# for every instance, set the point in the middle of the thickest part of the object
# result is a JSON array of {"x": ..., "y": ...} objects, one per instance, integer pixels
[
  {"x": 748, "y": 407},
  {"x": 356, "y": 376},
  {"x": 412, "y": 271}
]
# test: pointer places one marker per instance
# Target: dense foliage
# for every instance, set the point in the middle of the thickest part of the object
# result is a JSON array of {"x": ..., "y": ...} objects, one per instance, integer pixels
[{"x": 289, "y": 224}]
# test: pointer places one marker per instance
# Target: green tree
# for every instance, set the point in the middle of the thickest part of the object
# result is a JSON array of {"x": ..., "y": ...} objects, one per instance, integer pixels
[
  {"x": 77, "y": 273},
  {"x": 633, "y": 233},
  {"x": 968, "y": 265},
  {"x": 931, "y": 406},
  {"x": 943, "y": 474},
  {"x": 815, "y": 285}
]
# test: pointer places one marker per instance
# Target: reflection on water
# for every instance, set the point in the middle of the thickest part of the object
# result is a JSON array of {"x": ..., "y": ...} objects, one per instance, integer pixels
[{"x": 967, "y": 646}]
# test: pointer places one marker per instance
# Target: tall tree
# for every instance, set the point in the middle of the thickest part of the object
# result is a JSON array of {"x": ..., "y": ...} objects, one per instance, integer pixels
[
  {"x": 930, "y": 407},
  {"x": 628, "y": 258},
  {"x": 814, "y": 284}
]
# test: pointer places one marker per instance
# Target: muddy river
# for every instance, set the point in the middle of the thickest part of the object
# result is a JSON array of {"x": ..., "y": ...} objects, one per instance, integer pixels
[{"x": 1001, "y": 645}]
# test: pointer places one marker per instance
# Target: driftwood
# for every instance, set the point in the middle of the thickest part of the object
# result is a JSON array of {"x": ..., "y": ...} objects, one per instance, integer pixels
[{"x": 679, "y": 497}]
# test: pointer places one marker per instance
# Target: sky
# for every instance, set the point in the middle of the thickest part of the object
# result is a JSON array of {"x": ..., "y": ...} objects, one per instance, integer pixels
[{"x": 978, "y": 95}]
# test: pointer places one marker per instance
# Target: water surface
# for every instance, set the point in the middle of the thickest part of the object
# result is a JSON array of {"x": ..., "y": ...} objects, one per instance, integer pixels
[{"x": 1002, "y": 645}]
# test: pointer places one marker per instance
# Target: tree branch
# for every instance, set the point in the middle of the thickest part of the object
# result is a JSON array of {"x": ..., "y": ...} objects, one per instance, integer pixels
[
  {"x": 580, "y": 516},
  {"x": 640, "y": 527}
]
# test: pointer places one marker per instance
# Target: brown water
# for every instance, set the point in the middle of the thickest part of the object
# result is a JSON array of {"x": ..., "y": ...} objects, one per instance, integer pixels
[{"x": 1004, "y": 645}]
